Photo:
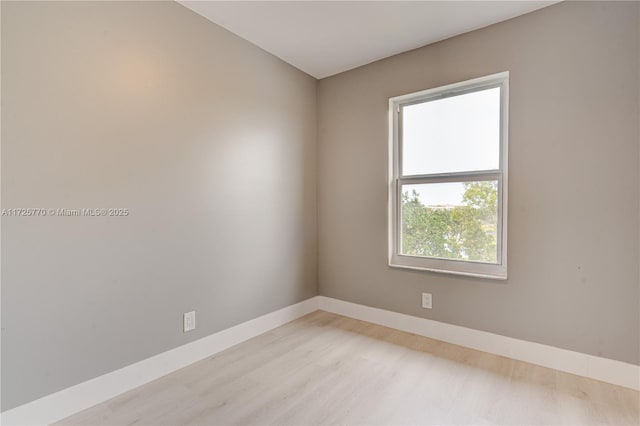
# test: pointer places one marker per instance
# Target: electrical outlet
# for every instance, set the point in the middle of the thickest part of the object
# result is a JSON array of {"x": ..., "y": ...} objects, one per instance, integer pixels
[
  {"x": 189, "y": 321},
  {"x": 427, "y": 300}
]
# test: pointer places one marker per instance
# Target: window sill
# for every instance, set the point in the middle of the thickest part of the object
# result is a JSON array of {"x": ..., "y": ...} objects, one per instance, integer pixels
[{"x": 485, "y": 271}]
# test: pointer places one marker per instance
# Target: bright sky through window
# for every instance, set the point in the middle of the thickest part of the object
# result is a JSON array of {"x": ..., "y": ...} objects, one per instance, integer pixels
[{"x": 436, "y": 140}]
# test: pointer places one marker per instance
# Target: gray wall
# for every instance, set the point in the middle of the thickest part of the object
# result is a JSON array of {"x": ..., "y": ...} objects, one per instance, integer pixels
[
  {"x": 573, "y": 180},
  {"x": 208, "y": 140}
]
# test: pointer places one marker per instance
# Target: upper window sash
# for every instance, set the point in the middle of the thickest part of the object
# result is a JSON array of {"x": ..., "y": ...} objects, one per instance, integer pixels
[{"x": 433, "y": 129}]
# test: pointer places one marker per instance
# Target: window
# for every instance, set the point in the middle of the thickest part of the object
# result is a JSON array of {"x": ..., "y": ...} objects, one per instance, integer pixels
[{"x": 448, "y": 178}]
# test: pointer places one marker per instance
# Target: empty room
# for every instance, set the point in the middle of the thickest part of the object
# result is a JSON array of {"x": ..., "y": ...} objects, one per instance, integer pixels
[{"x": 320, "y": 213}]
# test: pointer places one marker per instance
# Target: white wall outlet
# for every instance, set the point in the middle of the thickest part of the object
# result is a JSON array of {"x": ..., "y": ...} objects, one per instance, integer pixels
[
  {"x": 427, "y": 300},
  {"x": 189, "y": 321}
]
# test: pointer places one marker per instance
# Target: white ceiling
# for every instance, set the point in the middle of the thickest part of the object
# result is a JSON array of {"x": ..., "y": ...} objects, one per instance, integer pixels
[{"x": 323, "y": 38}]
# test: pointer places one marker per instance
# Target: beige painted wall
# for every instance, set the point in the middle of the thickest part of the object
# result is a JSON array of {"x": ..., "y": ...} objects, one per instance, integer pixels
[
  {"x": 206, "y": 139},
  {"x": 573, "y": 180}
]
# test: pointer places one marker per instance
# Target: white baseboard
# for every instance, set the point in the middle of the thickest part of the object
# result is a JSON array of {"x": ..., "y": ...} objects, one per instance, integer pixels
[
  {"x": 603, "y": 369},
  {"x": 66, "y": 402}
]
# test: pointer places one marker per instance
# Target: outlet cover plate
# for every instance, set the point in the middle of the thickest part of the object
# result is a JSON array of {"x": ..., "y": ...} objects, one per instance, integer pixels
[
  {"x": 189, "y": 321},
  {"x": 427, "y": 300}
]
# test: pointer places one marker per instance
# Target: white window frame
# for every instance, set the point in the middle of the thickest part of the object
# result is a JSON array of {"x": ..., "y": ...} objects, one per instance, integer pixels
[{"x": 396, "y": 180}]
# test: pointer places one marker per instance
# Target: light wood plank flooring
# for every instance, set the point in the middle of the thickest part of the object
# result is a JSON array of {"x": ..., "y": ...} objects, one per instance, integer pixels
[{"x": 328, "y": 369}]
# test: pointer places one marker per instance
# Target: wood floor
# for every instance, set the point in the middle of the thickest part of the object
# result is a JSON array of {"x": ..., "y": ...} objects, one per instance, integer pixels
[{"x": 328, "y": 369}]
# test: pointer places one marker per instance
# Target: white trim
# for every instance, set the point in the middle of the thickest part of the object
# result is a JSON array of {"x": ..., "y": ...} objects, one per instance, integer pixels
[
  {"x": 66, "y": 402},
  {"x": 604, "y": 369}
]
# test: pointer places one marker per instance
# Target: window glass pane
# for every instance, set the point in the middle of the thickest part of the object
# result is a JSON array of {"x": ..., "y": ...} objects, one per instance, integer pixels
[
  {"x": 450, "y": 220},
  {"x": 454, "y": 134}
]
